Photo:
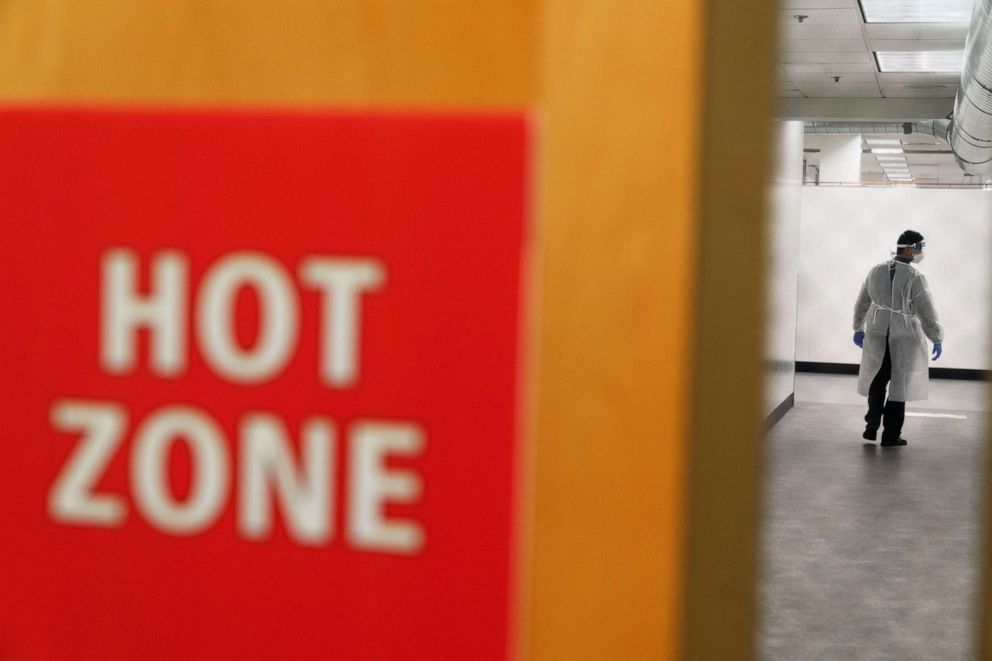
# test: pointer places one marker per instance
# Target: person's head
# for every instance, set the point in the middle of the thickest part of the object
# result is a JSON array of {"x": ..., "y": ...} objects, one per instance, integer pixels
[{"x": 910, "y": 246}]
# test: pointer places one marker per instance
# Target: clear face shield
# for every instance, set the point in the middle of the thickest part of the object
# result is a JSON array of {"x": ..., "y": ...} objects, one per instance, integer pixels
[{"x": 918, "y": 256}]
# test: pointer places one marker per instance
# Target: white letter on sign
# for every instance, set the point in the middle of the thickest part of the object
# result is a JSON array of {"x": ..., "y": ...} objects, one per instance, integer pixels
[
  {"x": 278, "y": 317},
  {"x": 150, "y": 466},
  {"x": 163, "y": 312},
  {"x": 372, "y": 485},
  {"x": 266, "y": 458},
  {"x": 341, "y": 282},
  {"x": 71, "y": 498}
]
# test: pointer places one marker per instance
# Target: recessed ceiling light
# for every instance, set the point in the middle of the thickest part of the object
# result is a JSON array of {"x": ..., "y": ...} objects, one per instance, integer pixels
[
  {"x": 920, "y": 61},
  {"x": 882, "y": 142},
  {"x": 914, "y": 11},
  {"x": 886, "y": 150}
]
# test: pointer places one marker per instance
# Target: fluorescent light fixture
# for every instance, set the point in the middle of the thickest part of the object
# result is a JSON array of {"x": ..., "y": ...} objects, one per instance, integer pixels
[
  {"x": 886, "y": 150},
  {"x": 883, "y": 142},
  {"x": 891, "y": 159},
  {"x": 920, "y": 61},
  {"x": 915, "y": 11}
]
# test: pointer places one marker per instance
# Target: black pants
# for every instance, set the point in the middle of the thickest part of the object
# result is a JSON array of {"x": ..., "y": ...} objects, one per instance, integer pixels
[{"x": 891, "y": 414}]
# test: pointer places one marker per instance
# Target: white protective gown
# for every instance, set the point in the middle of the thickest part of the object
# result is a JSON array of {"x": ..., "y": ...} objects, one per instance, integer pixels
[{"x": 903, "y": 310}]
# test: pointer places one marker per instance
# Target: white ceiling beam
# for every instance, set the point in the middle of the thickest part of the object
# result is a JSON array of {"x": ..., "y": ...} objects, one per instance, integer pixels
[{"x": 868, "y": 110}]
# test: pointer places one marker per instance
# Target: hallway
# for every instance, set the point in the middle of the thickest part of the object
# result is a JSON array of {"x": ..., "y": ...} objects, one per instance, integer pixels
[{"x": 871, "y": 553}]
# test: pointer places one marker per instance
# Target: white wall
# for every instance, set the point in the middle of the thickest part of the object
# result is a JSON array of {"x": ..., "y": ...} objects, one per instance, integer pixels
[
  {"x": 785, "y": 209},
  {"x": 845, "y": 231}
]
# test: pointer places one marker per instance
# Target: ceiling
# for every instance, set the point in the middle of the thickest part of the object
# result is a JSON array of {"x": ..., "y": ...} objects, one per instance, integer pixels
[
  {"x": 827, "y": 70},
  {"x": 929, "y": 160}
]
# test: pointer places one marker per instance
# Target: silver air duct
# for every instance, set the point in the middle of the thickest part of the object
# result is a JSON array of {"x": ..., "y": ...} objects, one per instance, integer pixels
[
  {"x": 971, "y": 130},
  {"x": 938, "y": 128},
  {"x": 969, "y": 133},
  {"x": 856, "y": 128}
]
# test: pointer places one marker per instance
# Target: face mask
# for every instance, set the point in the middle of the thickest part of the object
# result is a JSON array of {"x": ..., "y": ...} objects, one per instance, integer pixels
[{"x": 918, "y": 258}]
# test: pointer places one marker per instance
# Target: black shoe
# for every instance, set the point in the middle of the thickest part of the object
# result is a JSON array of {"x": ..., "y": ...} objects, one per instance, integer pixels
[
  {"x": 898, "y": 441},
  {"x": 870, "y": 434}
]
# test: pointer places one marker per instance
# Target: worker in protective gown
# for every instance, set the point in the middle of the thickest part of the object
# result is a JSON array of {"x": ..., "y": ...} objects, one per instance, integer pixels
[{"x": 893, "y": 318}]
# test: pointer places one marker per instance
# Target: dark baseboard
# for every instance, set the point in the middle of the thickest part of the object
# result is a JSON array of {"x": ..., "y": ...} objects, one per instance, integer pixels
[
  {"x": 935, "y": 372},
  {"x": 826, "y": 368},
  {"x": 780, "y": 411},
  {"x": 959, "y": 374}
]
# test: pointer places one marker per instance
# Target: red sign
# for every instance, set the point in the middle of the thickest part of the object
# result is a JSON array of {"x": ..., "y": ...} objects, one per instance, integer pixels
[{"x": 259, "y": 384}]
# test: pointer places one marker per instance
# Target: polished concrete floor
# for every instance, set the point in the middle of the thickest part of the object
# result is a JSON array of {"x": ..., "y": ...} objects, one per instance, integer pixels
[{"x": 871, "y": 553}]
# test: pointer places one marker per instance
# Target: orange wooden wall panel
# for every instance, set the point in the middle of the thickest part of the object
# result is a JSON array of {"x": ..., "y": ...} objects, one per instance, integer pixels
[{"x": 621, "y": 91}]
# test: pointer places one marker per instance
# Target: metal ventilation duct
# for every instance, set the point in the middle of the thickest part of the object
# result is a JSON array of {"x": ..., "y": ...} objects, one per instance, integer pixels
[
  {"x": 971, "y": 129},
  {"x": 969, "y": 133},
  {"x": 938, "y": 128}
]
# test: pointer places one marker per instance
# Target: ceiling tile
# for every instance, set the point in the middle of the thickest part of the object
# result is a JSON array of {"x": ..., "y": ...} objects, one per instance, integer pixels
[
  {"x": 832, "y": 69},
  {"x": 951, "y": 172},
  {"x": 826, "y": 58},
  {"x": 923, "y": 160},
  {"x": 840, "y": 90},
  {"x": 793, "y": 32},
  {"x": 919, "y": 90},
  {"x": 823, "y": 46},
  {"x": 820, "y": 17},
  {"x": 833, "y": 41},
  {"x": 815, "y": 4},
  {"x": 922, "y": 141},
  {"x": 930, "y": 78},
  {"x": 827, "y": 78}
]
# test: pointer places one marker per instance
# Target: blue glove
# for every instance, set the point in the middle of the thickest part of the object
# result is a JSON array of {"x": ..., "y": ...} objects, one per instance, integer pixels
[
  {"x": 859, "y": 338},
  {"x": 937, "y": 350}
]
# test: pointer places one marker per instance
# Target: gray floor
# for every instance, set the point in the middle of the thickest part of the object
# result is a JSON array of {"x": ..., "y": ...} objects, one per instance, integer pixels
[{"x": 871, "y": 553}]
